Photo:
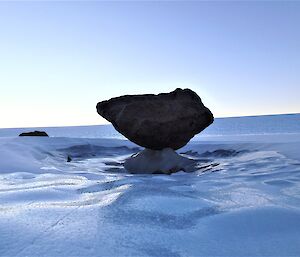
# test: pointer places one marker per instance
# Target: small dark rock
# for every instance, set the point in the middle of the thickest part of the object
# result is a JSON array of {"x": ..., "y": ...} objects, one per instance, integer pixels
[
  {"x": 34, "y": 134},
  {"x": 69, "y": 159}
]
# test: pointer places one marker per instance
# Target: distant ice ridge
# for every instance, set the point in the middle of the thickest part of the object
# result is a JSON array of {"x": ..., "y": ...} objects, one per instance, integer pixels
[
  {"x": 243, "y": 200},
  {"x": 238, "y": 126}
]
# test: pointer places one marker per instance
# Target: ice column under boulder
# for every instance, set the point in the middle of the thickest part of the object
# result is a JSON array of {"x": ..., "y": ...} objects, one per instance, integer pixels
[{"x": 158, "y": 161}]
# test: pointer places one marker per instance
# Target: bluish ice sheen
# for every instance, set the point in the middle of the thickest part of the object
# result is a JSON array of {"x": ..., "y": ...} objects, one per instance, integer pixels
[{"x": 244, "y": 199}]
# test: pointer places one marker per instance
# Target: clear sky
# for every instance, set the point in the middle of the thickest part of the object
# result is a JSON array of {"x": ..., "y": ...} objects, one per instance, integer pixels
[{"x": 58, "y": 59}]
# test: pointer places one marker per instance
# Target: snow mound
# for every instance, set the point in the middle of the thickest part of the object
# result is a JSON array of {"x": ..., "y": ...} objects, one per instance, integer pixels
[{"x": 165, "y": 161}]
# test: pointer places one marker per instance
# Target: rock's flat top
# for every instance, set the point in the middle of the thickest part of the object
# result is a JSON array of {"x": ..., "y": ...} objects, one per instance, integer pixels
[
  {"x": 167, "y": 120},
  {"x": 34, "y": 134}
]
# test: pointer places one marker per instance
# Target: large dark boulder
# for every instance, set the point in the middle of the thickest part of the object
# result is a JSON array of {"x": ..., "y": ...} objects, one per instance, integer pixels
[
  {"x": 34, "y": 134},
  {"x": 167, "y": 120}
]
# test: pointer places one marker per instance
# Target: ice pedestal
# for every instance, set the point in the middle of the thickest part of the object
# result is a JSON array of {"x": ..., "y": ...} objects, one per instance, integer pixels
[{"x": 165, "y": 161}]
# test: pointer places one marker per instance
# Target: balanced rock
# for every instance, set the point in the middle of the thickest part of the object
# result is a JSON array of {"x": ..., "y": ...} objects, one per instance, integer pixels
[
  {"x": 166, "y": 120},
  {"x": 34, "y": 134}
]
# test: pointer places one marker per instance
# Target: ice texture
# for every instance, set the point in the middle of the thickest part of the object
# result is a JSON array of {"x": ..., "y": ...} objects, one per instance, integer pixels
[{"x": 243, "y": 199}]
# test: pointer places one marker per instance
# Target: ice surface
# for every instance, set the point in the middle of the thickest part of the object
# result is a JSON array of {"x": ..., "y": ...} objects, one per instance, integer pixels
[{"x": 243, "y": 200}]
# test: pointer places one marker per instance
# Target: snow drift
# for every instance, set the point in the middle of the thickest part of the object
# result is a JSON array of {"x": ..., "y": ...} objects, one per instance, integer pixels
[{"x": 242, "y": 200}]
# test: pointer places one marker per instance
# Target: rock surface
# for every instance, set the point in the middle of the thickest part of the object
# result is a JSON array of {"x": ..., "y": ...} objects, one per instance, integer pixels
[
  {"x": 167, "y": 120},
  {"x": 34, "y": 134}
]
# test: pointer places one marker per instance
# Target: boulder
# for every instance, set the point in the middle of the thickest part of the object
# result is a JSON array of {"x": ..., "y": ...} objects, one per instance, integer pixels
[
  {"x": 34, "y": 134},
  {"x": 166, "y": 120}
]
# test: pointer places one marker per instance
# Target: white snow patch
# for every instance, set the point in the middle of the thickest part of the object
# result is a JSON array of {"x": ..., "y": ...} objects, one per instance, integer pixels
[{"x": 243, "y": 199}]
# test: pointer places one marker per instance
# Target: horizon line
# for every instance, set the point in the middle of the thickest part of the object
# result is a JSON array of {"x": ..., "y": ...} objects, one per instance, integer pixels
[{"x": 108, "y": 123}]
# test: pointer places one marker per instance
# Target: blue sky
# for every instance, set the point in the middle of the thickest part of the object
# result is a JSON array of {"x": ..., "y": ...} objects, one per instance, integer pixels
[{"x": 58, "y": 59}]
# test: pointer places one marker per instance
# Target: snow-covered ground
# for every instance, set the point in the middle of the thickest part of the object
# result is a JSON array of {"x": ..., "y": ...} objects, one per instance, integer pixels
[{"x": 244, "y": 200}]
